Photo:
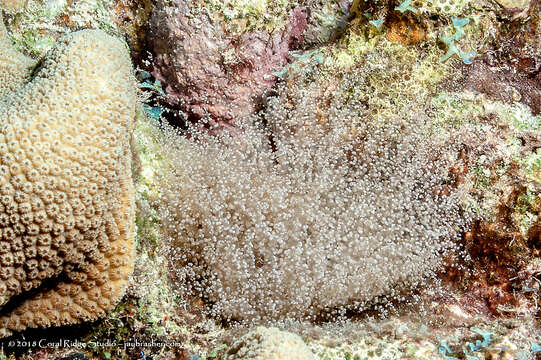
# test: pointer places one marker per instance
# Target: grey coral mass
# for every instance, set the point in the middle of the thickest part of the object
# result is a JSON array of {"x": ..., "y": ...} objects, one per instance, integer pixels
[{"x": 66, "y": 194}]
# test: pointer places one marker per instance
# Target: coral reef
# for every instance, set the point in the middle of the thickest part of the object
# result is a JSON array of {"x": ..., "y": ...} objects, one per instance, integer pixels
[
  {"x": 512, "y": 71},
  {"x": 374, "y": 66},
  {"x": 36, "y": 29},
  {"x": 67, "y": 202},
  {"x": 488, "y": 109}
]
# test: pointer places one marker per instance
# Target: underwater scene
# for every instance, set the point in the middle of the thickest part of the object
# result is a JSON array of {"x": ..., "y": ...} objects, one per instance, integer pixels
[{"x": 270, "y": 179}]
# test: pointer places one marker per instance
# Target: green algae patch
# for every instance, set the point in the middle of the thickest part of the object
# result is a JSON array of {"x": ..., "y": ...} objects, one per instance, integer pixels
[
  {"x": 251, "y": 15},
  {"x": 36, "y": 29},
  {"x": 510, "y": 158},
  {"x": 351, "y": 50},
  {"x": 389, "y": 76}
]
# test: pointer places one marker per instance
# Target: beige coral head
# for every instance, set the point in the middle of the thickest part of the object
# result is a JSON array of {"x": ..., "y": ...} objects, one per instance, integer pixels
[
  {"x": 66, "y": 195},
  {"x": 269, "y": 344}
]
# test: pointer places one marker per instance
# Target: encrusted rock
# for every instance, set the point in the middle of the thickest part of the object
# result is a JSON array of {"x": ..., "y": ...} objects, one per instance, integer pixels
[
  {"x": 209, "y": 72},
  {"x": 12, "y": 6},
  {"x": 14, "y": 66},
  {"x": 514, "y": 4}
]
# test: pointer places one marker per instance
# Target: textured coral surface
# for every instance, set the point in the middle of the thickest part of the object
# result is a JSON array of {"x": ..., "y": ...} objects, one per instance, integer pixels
[
  {"x": 66, "y": 197},
  {"x": 271, "y": 344}
]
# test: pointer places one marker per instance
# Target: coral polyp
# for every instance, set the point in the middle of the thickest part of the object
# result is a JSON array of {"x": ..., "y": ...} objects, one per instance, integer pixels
[{"x": 66, "y": 203}]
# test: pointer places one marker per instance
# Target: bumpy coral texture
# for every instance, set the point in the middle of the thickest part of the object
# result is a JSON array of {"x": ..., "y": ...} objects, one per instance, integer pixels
[
  {"x": 269, "y": 344},
  {"x": 66, "y": 196}
]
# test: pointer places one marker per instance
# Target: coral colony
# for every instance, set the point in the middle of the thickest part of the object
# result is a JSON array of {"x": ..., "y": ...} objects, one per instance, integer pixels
[{"x": 66, "y": 195}]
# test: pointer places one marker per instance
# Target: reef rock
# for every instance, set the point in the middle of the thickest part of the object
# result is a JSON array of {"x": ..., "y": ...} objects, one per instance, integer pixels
[{"x": 210, "y": 72}]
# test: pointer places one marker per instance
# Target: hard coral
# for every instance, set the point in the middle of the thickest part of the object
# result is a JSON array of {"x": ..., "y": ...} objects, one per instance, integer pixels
[
  {"x": 269, "y": 343},
  {"x": 66, "y": 196}
]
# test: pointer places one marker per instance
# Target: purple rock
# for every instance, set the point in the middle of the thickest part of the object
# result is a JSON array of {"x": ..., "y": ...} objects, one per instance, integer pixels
[{"x": 209, "y": 72}]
